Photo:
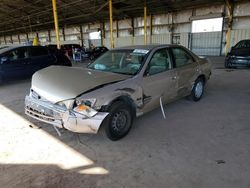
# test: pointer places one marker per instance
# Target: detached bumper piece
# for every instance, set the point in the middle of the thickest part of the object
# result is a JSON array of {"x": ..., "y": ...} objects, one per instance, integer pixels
[{"x": 61, "y": 117}]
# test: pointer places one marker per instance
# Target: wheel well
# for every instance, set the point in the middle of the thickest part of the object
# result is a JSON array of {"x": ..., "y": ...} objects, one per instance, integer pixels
[
  {"x": 125, "y": 99},
  {"x": 203, "y": 78}
]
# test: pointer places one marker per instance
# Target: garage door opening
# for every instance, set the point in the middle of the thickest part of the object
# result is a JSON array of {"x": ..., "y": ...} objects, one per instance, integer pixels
[
  {"x": 207, "y": 25},
  {"x": 207, "y": 36},
  {"x": 95, "y": 38}
]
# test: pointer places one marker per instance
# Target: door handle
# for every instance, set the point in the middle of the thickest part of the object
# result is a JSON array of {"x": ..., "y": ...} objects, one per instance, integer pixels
[{"x": 174, "y": 77}]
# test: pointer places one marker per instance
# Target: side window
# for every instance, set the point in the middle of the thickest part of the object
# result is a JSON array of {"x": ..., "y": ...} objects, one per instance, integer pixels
[
  {"x": 38, "y": 51},
  {"x": 182, "y": 57},
  {"x": 16, "y": 54},
  {"x": 160, "y": 62}
]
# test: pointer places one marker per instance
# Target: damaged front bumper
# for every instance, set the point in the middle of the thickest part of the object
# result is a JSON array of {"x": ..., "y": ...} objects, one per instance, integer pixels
[{"x": 61, "y": 117}]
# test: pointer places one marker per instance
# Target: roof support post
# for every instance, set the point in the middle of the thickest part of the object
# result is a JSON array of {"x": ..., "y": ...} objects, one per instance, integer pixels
[
  {"x": 132, "y": 30},
  {"x": 5, "y": 41},
  {"x": 151, "y": 28},
  {"x": 11, "y": 40},
  {"x": 56, "y": 23},
  {"x": 111, "y": 24},
  {"x": 27, "y": 37},
  {"x": 63, "y": 34},
  {"x": 102, "y": 26},
  {"x": 19, "y": 41},
  {"x": 81, "y": 36},
  {"x": 230, "y": 8},
  {"x": 49, "y": 36},
  {"x": 145, "y": 23},
  {"x": 117, "y": 29}
]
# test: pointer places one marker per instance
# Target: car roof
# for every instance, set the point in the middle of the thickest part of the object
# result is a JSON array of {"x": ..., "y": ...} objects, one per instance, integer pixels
[
  {"x": 3, "y": 50},
  {"x": 15, "y": 47},
  {"x": 244, "y": 40},
  {"x": 145, "y": 47},
  {"x": 70, "y": 45}
]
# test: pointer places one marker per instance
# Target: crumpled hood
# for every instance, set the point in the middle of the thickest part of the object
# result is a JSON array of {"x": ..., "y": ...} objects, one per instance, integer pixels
[{"x": 58, "y": 83}]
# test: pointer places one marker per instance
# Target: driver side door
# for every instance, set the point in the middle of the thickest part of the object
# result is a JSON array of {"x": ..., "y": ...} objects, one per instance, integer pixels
[{"x": 159, "y": 81}]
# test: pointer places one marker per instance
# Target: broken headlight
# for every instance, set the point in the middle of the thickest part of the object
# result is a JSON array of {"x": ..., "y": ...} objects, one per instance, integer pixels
[
  {"x": 85, "y": 110},
  {"x": 67, "y": 103},
  {"x": 85, "y": 107},
  {"x": 87, "y": 102}
]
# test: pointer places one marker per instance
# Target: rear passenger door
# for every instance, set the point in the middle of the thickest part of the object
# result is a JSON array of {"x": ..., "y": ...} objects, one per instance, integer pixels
[
  {"x": 40, "y": 58},
  {"x": 186, "y": 68},
  {"x": 159, "y": 80}
]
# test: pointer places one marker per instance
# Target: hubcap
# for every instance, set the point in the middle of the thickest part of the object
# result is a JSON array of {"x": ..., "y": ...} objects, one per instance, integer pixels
[
  {"x": 198, "y": 89},
  {"x": 119, "y": 121}
]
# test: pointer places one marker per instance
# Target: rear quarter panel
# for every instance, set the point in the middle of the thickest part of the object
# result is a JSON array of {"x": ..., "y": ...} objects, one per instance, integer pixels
[{"x": 205, "y": 67}]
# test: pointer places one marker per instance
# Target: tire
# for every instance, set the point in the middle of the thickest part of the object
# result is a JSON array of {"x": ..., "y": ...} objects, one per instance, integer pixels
[
  {"x": 198, "y": 90},
  {"x": 228, "y": 65},
  {"x": 119, "y": 121}
]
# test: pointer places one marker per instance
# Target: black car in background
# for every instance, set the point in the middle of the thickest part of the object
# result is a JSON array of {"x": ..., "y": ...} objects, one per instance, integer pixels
[
  {"x": 239, "y": 55},
  {"x": 96, "y": 52},
  {"x": 23, "y": 61}
]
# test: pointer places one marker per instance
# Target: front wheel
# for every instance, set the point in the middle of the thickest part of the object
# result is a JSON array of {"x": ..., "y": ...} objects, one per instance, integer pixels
[
  {"x": 227, "y": 65},
  {"x": 119, "y": 121},
  {"x": 197, "y": 90}
]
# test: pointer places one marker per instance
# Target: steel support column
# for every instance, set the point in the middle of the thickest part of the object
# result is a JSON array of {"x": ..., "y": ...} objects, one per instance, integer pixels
[
  {"x": 102, "y": 26},
  {"x": 151, "y": 28},
  {"x": 81, "y": 36},
  {"x": 56, "y": 23},
  {"x": 111, "y": 24},
  {"x": 145, "y": 23}
]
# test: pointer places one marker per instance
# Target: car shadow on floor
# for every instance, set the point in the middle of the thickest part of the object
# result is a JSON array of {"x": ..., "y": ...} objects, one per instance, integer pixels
[
  {"x": 156, "y": 150},
  {"x": 47, "y": 175},
  {"x": 13, "y": 82}
]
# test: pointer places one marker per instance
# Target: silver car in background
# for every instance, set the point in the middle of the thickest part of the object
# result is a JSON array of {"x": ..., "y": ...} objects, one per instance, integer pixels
[{"x": 122, "y": 84}]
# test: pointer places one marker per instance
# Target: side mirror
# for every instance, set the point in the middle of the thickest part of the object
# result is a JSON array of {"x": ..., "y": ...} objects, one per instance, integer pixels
[{"x": 4, "y": 60}]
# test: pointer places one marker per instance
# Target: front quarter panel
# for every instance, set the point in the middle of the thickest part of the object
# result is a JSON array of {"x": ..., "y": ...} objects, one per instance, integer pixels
[{"x": 106, "y": 95}]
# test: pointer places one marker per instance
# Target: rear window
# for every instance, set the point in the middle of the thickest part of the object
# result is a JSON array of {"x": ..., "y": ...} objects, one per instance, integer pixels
[{"x": 243, "y": 44}]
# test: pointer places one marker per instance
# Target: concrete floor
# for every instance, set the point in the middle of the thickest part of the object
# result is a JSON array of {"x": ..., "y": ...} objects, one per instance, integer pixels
[{"x": 204, "y": 144}]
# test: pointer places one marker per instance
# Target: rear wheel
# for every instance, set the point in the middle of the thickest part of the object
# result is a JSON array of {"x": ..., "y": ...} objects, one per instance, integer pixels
[
  {"x": 198, "y": 89},
  {"x": 119, "y": 121}
]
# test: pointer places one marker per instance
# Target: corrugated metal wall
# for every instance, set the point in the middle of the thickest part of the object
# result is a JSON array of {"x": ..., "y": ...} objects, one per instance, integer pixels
[
  {"x": 184, "y": 39},
  {"x": 96, "y": 42},
  {"x": 239, "y": 34},
  {"x": 161, "y": 39},
  {"x": 208, "y": 43},
  {"x": 124, "y": 41}
]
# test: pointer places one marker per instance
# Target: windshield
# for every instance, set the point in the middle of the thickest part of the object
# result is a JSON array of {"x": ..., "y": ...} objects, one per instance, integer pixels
[
  {"x": 121, "y": 61},
  {"x": 243, "y": 44}
]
